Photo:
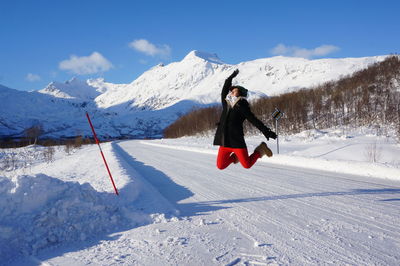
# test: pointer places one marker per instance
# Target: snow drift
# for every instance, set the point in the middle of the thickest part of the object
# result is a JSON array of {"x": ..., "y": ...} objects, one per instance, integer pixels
[
  {"x": 73, "y": 201},
  {"x": 40, "y": 211}
]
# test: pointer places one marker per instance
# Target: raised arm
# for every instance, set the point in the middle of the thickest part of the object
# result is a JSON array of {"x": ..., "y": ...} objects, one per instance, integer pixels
[{"x": 227, "y": 85}]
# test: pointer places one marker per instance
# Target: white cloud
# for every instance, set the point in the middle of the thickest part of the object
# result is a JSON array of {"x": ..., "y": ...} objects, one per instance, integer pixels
[
  {"x": 144, "y": 46},
  {"x": 32, "y": 77},
  {"x": 84, "y": 65},
  {"x": 295, "y": 51}
]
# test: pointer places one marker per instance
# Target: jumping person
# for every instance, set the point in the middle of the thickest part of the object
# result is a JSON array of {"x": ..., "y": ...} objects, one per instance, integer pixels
[{"x": 230, "y": 136}]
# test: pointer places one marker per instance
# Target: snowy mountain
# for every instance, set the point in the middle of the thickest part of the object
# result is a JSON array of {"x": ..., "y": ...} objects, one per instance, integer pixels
[
  {"x": 72, "y": 89},
  {"x": 160, "y": 95},
  {"x": 200, "y": 76}
]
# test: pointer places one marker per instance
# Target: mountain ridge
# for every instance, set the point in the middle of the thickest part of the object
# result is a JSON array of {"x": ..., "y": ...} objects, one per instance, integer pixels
[{"x": 144, "y": 107}]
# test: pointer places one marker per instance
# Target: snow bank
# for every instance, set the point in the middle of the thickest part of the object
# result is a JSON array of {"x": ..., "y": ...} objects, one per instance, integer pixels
[
  {"x": 346, "y": 167},
  {"x": 71, "y": 199},
  {"x": 360, "y": 151},
  {"x": 40, "y": 211},
  {"x": 337, "y": 166}
]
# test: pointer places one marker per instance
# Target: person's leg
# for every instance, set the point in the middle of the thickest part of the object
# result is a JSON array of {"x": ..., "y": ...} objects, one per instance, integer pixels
[
  {"x": 244, "y": 158},
  {"x": 224, "y": 158}
]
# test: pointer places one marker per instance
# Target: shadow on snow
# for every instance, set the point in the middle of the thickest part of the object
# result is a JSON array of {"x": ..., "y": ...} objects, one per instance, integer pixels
[
  {"x": 170, "y": 190},
  {"x": 174, "y": 193},
  {"x": 353, "y": 192}
]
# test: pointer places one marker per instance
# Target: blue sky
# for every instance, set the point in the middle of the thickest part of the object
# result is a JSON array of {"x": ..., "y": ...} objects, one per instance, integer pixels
[{"x": 44, "y": 41}]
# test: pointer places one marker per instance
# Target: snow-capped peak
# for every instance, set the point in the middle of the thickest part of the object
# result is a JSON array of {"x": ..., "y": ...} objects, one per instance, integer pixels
[
  {"x": 195, "y": 55},
  {"x": 71, "y": 89},
  {"x": 160, "y": 95}
]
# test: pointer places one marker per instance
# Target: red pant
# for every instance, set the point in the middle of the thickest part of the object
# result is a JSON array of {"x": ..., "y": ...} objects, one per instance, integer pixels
[{"x": 225, "y": 157}]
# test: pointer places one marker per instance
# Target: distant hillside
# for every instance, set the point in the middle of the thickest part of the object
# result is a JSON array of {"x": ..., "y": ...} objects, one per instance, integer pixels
[
  {"x": 146, "y": 106},
  {"x": 367, "y": 97}
]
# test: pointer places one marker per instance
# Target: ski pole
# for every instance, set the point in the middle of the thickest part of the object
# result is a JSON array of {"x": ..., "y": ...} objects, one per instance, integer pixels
[{"x": 101, "y": 152}]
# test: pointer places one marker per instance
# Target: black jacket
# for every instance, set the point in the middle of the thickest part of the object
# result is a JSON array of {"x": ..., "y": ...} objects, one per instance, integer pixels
[{"x": 230, "y": 127}]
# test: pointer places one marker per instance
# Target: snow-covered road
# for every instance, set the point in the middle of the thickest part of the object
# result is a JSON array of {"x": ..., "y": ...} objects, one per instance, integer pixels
[
  {"x": 267, "y": 215},
  {"x": 275, "y": 214}
]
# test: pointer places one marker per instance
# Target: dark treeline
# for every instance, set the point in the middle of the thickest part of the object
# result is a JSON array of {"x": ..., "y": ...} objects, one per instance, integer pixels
[
  {"x": 367, "y": 97},
  {"x": 22, "y": 142}
]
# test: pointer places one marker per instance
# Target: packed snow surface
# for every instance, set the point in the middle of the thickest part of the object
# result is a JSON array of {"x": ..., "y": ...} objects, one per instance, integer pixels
[{"x": 329, "y": 197}]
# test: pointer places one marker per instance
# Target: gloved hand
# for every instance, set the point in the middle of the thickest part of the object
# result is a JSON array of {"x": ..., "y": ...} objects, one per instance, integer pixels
[
  {"x": 234, "y": 74},
  {"x": 270, "y": 134}
]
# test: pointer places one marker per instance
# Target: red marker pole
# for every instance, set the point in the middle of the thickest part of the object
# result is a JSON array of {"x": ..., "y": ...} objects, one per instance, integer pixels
[{"x": 102, "y": 155}]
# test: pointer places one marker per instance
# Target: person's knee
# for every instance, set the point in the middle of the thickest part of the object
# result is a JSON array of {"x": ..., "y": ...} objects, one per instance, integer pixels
[{"x": 220, "y": 166}]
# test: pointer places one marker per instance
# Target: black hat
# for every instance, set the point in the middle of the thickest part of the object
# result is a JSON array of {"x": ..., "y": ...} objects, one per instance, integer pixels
[{"x": 243, "y": 91}]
